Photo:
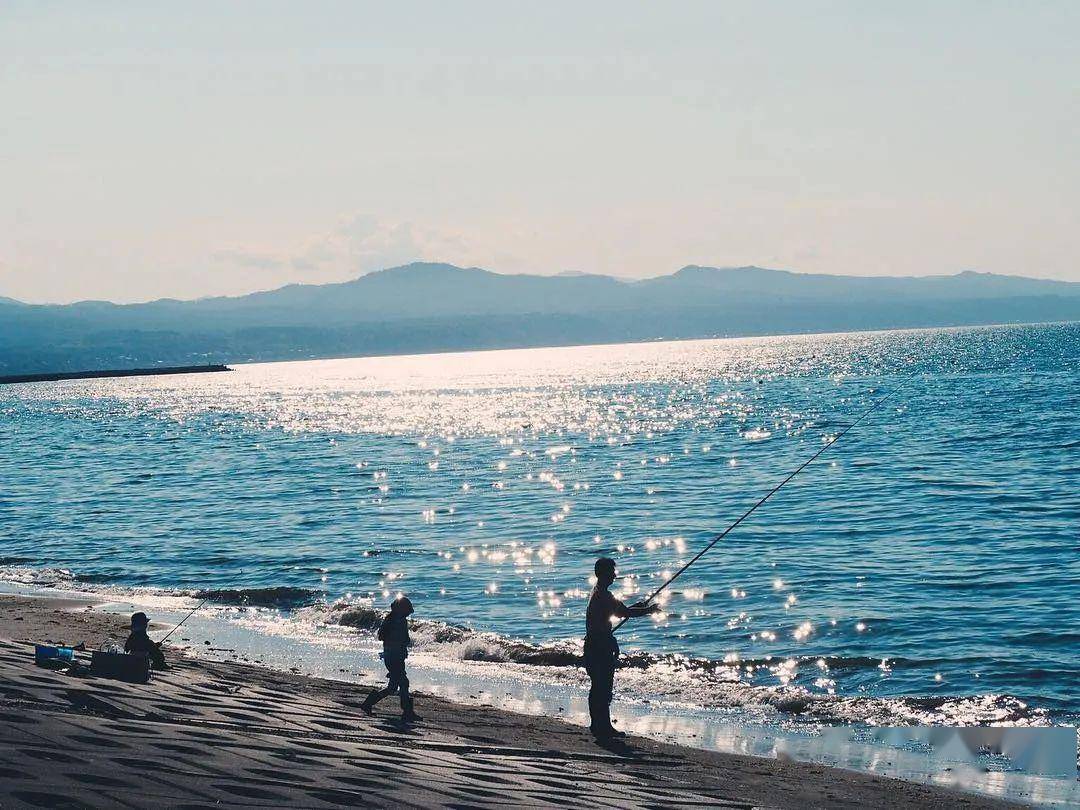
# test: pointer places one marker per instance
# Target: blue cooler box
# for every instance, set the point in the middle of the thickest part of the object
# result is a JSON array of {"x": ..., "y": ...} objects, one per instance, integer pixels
[{"x": 47, "y": 656}]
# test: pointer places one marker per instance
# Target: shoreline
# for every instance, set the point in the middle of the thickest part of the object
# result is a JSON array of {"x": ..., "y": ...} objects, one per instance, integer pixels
[
  {"x": 531, "y": 758},
  {"x": 210, "y": 368},
  {"x": 655, "y": 340}
]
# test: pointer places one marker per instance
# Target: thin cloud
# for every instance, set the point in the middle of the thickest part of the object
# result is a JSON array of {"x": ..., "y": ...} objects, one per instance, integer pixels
[
  {"x": 252, "y": 261},
  {"x": 359, "y": 244}
]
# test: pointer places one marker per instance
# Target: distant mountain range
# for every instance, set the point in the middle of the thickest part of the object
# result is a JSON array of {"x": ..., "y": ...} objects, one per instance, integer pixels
[{"x": 427, "y": 307}]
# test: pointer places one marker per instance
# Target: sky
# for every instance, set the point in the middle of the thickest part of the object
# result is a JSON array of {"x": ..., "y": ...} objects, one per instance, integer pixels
[{"x": 192, "y": 149}]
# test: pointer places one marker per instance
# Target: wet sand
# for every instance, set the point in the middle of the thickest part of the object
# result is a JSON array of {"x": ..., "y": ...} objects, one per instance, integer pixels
[{"x": 207, "y": 734}]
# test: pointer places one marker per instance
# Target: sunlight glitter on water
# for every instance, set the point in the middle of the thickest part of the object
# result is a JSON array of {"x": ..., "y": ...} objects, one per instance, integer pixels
[{"x": 314, "y": 475}]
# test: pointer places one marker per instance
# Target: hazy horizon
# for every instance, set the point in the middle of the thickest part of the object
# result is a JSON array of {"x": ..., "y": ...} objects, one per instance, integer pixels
[
  {"x": 497, "y": 271},
  {"x": 209, "y": 150}
]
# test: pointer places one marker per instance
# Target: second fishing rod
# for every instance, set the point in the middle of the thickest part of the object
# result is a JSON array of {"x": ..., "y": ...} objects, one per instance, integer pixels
[{"x": 761, "y": 501}]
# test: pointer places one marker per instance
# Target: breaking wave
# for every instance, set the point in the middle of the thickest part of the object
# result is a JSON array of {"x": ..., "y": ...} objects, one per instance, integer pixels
[
  {"x": 280, "y": 597},
  {"x": 12, "y": 570},
  {"x": 461, "y": 642},
  {"x": 693, "y": 683},
  {"x": 704, "y": 683}
]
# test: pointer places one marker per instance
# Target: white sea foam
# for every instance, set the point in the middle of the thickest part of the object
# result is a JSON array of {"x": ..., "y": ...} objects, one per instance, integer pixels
[{"x": 674, "y": 679}]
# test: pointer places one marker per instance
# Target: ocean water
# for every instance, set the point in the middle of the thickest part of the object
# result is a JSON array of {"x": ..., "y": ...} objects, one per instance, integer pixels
[{"x": 925, "y": 569}]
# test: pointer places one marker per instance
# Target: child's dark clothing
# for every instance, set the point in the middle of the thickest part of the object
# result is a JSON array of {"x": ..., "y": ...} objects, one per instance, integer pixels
[
  {"x": 394, "y": 634},
  {"x": 140, "y": 644}
]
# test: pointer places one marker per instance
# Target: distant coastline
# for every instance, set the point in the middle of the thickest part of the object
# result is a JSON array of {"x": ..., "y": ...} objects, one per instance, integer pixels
[
  {"x": 123, "y": 372},
  {"x": 424, "y": 307}
]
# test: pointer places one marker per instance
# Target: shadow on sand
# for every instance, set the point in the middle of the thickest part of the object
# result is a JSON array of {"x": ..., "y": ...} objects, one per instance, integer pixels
[
  {"x": 618, "y": 746},
  {"x": 396, "y": 725}
]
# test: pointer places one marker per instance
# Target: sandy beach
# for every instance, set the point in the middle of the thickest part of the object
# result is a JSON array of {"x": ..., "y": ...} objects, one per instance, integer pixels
[{"x": 222, "y": 734}]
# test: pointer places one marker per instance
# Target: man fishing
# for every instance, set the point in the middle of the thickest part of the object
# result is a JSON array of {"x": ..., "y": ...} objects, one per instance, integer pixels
[{"x": 601, "y": 648}]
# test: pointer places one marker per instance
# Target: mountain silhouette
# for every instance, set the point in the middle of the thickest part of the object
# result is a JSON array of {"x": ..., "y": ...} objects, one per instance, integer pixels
[{"x": 424, "y": 307}]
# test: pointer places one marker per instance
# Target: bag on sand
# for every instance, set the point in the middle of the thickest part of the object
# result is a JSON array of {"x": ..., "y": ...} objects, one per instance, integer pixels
[{"x": 120, "y": 666}]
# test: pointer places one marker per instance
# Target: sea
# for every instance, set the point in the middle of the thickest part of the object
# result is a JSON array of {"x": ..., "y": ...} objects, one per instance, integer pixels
[{"x": 925, "y": 569}]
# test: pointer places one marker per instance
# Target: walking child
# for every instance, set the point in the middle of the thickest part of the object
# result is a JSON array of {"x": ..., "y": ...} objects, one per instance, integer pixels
[{"x": 394, "y": 634}]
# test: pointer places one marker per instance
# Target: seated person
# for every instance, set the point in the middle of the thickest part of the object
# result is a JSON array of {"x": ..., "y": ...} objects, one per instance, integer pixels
[{"x": 139, "y": 643}]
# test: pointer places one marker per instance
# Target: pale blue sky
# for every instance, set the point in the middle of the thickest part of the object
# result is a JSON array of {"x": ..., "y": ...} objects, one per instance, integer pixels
[{"x": 188, "y": 149}]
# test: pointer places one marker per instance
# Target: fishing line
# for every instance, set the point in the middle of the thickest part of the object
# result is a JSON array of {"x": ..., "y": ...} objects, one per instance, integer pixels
[
  {"x": 192, "y": 613},
  {"x": 769, "y": 494}
]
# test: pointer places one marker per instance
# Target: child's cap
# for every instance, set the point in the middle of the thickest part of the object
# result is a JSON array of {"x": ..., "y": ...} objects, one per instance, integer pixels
[
  {"x": 139, "y": 620},
  {"x": 401, "y": 605}
]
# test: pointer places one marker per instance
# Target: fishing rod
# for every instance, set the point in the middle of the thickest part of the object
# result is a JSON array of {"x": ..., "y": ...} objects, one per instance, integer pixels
[
  {"x": 190, "y": 614},
  {"x": 768, "y": 495}
]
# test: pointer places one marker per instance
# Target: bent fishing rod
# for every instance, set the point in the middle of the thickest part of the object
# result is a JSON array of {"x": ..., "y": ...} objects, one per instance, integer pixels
[{"x": 769, "y": 494}]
